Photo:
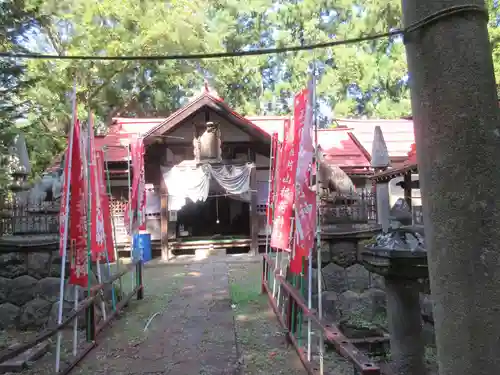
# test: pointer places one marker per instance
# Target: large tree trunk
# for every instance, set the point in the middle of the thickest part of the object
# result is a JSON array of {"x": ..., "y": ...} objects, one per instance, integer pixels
[{"x": 457, "y": 131}]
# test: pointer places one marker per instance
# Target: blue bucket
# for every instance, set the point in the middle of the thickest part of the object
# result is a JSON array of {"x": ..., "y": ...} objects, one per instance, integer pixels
[{"x": 141, "y": 247}]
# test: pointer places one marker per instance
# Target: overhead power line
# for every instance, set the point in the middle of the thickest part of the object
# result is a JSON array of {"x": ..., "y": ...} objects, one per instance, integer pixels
[
  {"x": 198, "y": 56},
  {"x": 266, "y": 51}
]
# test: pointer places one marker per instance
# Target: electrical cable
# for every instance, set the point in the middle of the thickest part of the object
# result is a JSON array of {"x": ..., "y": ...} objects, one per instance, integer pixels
[{"x": 442, "y": 14}]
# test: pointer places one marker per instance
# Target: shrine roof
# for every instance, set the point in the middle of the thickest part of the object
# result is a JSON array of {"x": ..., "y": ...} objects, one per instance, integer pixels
[
  {"x": 207, "y": 100},
  {"x": 398, "y": 134},
  {"x": 123, "y": 128},
  {"x": 341, "y": 148},
  {"x": 409, "y": 166}
]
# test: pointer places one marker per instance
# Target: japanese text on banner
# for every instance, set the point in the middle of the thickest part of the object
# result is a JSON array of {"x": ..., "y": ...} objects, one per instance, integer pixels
[{"x": 280, "y": 237}]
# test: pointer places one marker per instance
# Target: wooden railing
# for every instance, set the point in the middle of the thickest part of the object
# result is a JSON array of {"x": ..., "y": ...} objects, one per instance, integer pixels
[
  {"x": 286, "y": 301},
  {"x": 87, "y": 307}
]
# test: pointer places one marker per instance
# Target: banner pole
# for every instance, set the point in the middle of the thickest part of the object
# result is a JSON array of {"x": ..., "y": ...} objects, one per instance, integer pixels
[
  {"x": 75, "y": 306},
  {"x": 130, "y": 219},
  {"x": 93, "y": 166},
  {"x": 69, "y": 156},
  {"x": 318, "y": 225},
  {"x": 89, "y": 225},
  {"x": 113, "y": 224},
  {"x": 309, "y": 256},
  {"x": 270, "y": 204}
]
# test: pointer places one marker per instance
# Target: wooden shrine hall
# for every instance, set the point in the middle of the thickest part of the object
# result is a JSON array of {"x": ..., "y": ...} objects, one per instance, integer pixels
[
  {"x": 207, "y": 175},
  {"x": 206, "y": 170}
]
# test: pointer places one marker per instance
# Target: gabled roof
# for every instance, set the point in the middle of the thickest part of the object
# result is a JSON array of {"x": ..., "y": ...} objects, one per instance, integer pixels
[
  {"x": 341, "y": 148},
  {"x": 270, "y": 124},
  {"x": 398, "y": 134},
  {"x": 121, "y": 129},
  {"x": 409, "y": 165},
  {"x": 206, "y": 100}
]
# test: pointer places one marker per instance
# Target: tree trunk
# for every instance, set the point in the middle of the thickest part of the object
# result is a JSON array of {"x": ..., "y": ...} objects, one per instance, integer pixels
[{"x": 457, "y": 131}]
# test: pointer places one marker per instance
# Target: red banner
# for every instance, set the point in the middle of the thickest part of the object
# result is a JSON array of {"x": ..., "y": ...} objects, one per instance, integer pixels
[
  {"x": 304, "y": 113},
  {"x": 305, "y": 226},
  {"x": 63, "y": 210},
  {"x": 272, "y": 179},
  {"x": 280, "y": 237},
  {"x": 137, "y": 204},
  {"x": 141, "y": 220},
  {"x": 108, "y": 228},
  {"x": 78, "y": 216},
  {"x": 97, "y": 230},
  {"x": 305, "y": 214}
]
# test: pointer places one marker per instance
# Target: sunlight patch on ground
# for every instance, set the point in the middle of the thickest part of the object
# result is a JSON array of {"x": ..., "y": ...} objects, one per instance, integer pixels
[{"x": 260, "y": 338}]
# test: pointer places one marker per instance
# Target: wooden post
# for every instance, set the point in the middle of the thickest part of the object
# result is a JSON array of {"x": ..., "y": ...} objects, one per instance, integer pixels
[
  {"x": 254, "y": 218},
  {"x": 164, "y": 223}
]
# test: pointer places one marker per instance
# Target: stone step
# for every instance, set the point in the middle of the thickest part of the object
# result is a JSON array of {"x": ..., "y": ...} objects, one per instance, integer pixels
[
  {"x": 205, "y": 253},
  {"x": 25, "y": 359}
]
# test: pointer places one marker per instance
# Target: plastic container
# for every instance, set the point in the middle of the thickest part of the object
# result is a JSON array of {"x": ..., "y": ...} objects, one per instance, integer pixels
[{"x": 142, "y": 247}]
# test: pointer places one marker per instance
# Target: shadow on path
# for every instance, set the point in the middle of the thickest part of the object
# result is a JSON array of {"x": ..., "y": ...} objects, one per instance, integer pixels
[{"x": 193, "y": 334}]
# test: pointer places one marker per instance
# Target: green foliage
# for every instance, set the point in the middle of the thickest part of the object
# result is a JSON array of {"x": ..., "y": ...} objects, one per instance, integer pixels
[{"x": 364, "y": 79}]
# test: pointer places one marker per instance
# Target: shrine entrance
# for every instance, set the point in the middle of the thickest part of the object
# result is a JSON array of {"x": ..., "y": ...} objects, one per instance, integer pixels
[
  {"x": 217, "y": 217},
  {"x": 205, "y": 159}
]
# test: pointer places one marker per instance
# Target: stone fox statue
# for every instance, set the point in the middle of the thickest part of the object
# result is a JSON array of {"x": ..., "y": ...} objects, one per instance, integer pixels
[
  {"x": 208, "y": 145},
  {"x": 333, "y": 181}
]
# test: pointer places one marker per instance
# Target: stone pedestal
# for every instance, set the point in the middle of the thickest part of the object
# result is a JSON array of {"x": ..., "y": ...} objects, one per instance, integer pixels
[
  {"x": 405, "y": 326},
  {"x": 401, "y": 268},
  {"x": 383, "y": 206}
]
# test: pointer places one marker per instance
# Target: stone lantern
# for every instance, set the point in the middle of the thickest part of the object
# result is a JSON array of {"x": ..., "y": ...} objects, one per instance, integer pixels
[{"x": 400, "y": 256}]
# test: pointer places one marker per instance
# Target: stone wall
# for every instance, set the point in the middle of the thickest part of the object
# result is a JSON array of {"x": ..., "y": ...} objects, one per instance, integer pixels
[
  {"x": 30, "y": 285},
  {"x": 355, "y": 298},
  {"x": 29, "y": 288}
]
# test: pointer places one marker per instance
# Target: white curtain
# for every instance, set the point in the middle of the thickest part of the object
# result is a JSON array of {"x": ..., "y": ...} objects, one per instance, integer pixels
[
  {"x": 193, "y": 182},
  {"x": 235, "y": 179}
]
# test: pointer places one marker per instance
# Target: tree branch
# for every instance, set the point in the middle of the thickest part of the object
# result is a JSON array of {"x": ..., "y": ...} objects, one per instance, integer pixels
[{"x": 96, "y": 91}]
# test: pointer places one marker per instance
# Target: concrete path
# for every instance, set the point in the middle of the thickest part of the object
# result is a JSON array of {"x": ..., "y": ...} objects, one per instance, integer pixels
[{"x": 195, "y": 335}]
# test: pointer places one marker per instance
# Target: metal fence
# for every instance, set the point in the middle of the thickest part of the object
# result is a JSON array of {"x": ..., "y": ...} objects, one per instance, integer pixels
[
  {"x": 19, "y": 218},
  {"x": 362, "y": 209}
]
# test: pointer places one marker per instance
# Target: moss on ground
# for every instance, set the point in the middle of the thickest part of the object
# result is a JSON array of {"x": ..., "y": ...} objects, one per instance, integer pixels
[
  {"x": 126, "y": 331},
  {"x": 260, "y": 339}
]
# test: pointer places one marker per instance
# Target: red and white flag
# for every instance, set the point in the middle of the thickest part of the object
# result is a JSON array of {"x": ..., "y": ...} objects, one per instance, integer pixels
[
  {"x": 78, "y": 213},
  {"x": 64, "y": 209},
  {"x": 272, "y": 172},
  {"x": 137, "y": 204},
  {"x": 97, "y": 230},
  {"x": 305, "y": 202},
  {"x": 283, "y": 210},
  {"x": 106, "y": 213}
]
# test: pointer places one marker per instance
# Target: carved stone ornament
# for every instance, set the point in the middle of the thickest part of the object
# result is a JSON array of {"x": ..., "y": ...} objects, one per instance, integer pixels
[{"x": 207, "y": 146}]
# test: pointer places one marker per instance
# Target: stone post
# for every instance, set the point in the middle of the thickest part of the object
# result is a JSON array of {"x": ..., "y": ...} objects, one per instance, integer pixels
[
  {"x": 457, "y": 131},
  {"x": 380, "y": 162},
  {"x": 405, "y": 326}
]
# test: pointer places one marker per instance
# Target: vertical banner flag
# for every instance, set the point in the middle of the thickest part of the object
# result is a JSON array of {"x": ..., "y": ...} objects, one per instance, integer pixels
[
  {"x": 142, "y": 187},
  {"x": 63, "y": 210},
  {"x": 97, "y": 230},
  {"x": 270, "y": 198},
  {"x": 108, "y": 229},
  {"x": 137, "y": 205},
  {"x": 286, "y": 182},
  {"x": 306, "y": 146},
  {"x": 305, "y": 202},
  {"x": 78, "y": 212}
]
